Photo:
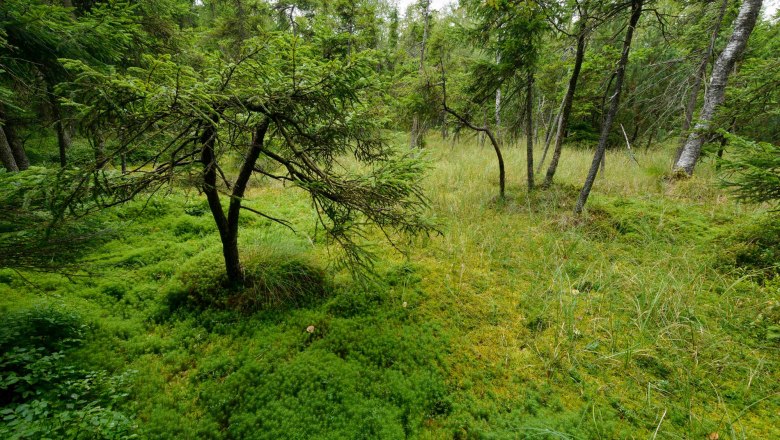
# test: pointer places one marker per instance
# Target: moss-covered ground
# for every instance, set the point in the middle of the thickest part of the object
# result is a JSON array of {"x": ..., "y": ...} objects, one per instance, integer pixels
[{"x": 656, "y": 315}]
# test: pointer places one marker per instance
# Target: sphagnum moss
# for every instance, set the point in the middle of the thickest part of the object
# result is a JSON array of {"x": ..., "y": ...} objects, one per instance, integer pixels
[{"x": 517, "y": 322}]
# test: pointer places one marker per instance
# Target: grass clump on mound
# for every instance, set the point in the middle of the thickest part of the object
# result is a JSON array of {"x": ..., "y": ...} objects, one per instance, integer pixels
[
  {"x": 273, "y": 279},
  {"x": 753, "y": 250}
]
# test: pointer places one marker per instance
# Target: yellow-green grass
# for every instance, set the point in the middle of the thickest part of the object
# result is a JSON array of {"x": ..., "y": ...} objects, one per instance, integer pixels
[
  {"x": 517, "y": 321},
  {"x": 619, "y": 316}
]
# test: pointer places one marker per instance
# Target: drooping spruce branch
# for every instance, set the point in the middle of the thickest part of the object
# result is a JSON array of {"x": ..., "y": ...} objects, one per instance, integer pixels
[{"x": 193, "y": 117}]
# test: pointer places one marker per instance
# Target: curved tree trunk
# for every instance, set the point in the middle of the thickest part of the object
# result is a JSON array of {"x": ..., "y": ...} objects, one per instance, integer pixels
[
  {"x": 716, "y": 93},
  {"x": 483, "y": 130},
  {"x": 17, "y": 147},
  {"x": 228, "y": 224},
  {"x": 6, "y": 155},
  {"x": 614, "y": 102},
  {"x": 567, "y": 103}
]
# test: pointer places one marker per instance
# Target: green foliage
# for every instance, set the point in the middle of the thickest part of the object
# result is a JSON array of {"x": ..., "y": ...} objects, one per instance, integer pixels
[
  {"x": 274, "y": 280},
  {"x": 333, "y": 392},
  {"x": 654, "y": 316},
  {"x": 518, "y": 322},
  {"x": 752, "y": 170},
  {"x": 753, "y": 93},
  {"x": 753, "y": 249},
  {"x": 319, "y": 109},
  {"x": 44, "y": 395},
  {"x": 35, "y": 230}
]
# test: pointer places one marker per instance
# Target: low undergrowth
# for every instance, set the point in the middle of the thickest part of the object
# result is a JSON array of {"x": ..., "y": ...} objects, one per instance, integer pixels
[{"x": 655, "y": 314}]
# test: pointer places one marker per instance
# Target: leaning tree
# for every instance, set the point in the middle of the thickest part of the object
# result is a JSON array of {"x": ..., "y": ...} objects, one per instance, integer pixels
[
  {"x": 279, "y": 107},
  {"x": 614, "y": 103},
  {"x": 716, "y": 92}
]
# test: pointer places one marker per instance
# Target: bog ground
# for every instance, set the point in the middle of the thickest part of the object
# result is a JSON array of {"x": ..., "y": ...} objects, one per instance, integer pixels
[{"x": 649, "y": 317}]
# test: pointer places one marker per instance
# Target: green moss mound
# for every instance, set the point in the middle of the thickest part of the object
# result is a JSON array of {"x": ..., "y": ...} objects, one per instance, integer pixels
[
  {"x": 753, "y": 249},
  {"x": 273, "y": 279}
]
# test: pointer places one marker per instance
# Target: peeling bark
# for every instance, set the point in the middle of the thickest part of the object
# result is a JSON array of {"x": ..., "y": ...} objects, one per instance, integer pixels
[
  {"x": 716, "y": 92},
  {"x": 698, "y": 79}
]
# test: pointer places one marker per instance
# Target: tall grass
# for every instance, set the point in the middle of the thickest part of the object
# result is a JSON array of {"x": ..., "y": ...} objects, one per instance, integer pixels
[
  {"x": 616, "y": 315},
  {"x": 638, "y": 320}
]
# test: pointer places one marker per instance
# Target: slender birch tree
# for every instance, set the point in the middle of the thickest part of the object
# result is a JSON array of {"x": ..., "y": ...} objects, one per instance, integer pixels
[{"x": 716, "y": 92}]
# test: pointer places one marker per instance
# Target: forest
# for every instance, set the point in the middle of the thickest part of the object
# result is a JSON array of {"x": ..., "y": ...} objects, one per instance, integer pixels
[{"x": 387, "y": 219}]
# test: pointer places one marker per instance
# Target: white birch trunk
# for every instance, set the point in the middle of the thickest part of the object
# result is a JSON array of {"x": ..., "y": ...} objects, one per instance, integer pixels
[{"x": 715, "y": 94}]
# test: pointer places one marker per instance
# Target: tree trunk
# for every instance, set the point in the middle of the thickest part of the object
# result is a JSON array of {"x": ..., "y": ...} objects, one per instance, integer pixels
[
  {"x": 529, "y": 149},
  {"x": 553, "y": 126},
  {"x": 716, "y": 93},
  {"x": 414, "y": 135},
  {"x": 539, "y": 121},
  {"x": 485, "y": 124},
  {"x": 498, "y": 114},
  {"x": 498, "y": 107},
  {"x": 417, "y": 130},
  {"x": 17, "y": 147},
  {"x": 444, "y": 129},
  {"x": 698, "y": 78},
  {"x": 603, "y": 164},
  {"x": 649, "y": 140},
  {"x": 100, "y": 151},
  {"x": 228, "y": 224},
  {"x": 6, "y": 155},
  {"x": 636, "y": 12},
  {"x": 567, "y": 102},
  {"x": 426, "y": 17},
  {"x": 63, "y": 135},
  {"x": 229, "y": 238},
  {"x": 485, "y": 129}
]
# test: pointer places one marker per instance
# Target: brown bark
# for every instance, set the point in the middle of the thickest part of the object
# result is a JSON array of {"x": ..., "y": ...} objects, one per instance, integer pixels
[
  {"x": 227, "y": 225},
  {"x": 567, "y": 102},
  {"x": 483, "y": 130},
  {"x": 555, "y": 119},
  {"x": 15, "y": 142},
  {"x": 614, "y": 103},
  {"x": 716, "y": 93},
  {"x": 6, "y": 155}
]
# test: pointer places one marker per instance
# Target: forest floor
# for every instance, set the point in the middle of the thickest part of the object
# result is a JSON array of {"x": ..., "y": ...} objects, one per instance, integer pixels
[{"x": 653, "y": 316}]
